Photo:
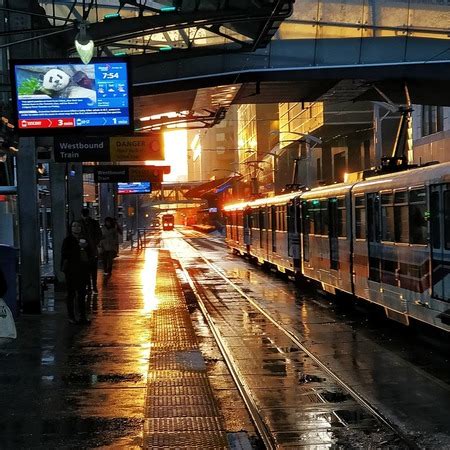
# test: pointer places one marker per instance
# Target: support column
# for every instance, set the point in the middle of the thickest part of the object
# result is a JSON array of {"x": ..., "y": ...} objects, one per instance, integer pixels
[
  {"x": 58, "y": 212},
  {"x": 377, "y": 135},
  {"x": 354, "y": 155},
  {"x": 75, "y": 190},
  {"x": 30, "y": 261},
  {"x": 107, "y": 200},
  {"x": 327, "y": 164}
]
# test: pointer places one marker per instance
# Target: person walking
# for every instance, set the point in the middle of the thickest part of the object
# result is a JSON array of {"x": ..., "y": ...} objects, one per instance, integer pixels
[
  {"x": 93, "y": 233},
  {"x": 109, "y": 244},
  {"x": 119, "y": 233},
  {"x": 76, "y": 264}
]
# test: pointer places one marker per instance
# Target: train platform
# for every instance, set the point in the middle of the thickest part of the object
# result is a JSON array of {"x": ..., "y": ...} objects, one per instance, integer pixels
[{"x": 134, "y": 377}]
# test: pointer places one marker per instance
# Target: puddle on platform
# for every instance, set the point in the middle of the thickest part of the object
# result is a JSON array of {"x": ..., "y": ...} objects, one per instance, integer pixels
[
  {"x": 307, "y": 378},
  {"x": 90, "y": 378},
  {"x": 335, "y": 397}
]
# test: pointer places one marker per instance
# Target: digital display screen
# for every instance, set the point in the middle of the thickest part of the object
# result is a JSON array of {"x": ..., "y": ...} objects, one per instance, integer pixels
[
  {"x": 68, "y": 96},
  {"x": 142, "y": 187}
]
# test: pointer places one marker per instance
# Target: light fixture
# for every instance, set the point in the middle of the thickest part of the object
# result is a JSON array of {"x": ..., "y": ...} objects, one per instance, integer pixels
[
  {"x": 84, "y": 44},
  {"x": 41, "y": 169}
]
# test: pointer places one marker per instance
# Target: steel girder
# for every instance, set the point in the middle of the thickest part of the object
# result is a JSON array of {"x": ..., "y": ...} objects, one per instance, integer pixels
[{"x": 371, "y": 59}]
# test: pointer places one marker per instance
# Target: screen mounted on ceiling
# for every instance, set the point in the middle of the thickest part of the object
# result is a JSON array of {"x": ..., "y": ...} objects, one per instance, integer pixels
[
  {"x": 142, "y": 187},
  {"x": 69, "y": 96}
]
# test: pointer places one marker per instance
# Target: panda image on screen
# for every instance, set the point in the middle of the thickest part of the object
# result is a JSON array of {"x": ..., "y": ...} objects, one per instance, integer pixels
[{"x": 61, "y": 85}]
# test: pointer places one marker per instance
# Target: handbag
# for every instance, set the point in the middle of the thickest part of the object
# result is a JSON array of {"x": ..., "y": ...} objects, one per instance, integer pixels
[{"x": 7, "y": 325}]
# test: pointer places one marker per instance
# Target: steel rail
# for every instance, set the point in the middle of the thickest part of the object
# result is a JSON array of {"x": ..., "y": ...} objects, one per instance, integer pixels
[
  {"x": 244, "y": 390},
  {"x": 358, "y": 397}
]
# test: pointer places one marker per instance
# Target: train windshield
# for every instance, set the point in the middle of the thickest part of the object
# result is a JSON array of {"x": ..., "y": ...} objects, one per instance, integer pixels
[{"x": 168, "y": 222}]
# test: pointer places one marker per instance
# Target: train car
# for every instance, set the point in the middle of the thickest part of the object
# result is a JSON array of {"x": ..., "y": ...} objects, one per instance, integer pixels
[
  {"x": 326, "y": 236},
  {"x": 268, "y": 230},
  {"x": 168, "y": 222},
  {"x": 401, "y": 243},
  {"x": 385, "y": 239},
  {"x": 234, "y": 228}
]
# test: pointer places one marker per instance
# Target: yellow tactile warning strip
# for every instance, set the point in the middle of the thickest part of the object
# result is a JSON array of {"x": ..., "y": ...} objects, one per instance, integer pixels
[{"x": 180, "y": 408}]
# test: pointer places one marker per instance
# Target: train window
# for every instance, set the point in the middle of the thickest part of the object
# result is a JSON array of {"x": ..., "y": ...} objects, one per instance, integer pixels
[
  {"x": 297, "y": 217},
  {"x": 262, "y": 219},
  {"x": 387, "y": 199},
  {"x": 314, "y": 213},
  {"x": 387, "y": 218},
  {"x": 325, "y": 217},
  {"x": 435, "y": 222},
  {"x": 250, "y": 220},
  {"x": 360, "y": 217},
  {"x": 341, "y": 217},
  {"x": 417, "y": 220},
  {"x": 306, "y": 228},
  {"x": 400, "y": 197},
  {"x": 291, "y": 218},
  {"x": 401, "y": 217},
  {"x": 255, "y": 221},
  {"x": 447, "y": 220}
]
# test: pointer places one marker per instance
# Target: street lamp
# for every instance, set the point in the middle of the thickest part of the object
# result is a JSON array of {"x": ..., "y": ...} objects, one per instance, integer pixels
[{"x": 84, "y": 44}]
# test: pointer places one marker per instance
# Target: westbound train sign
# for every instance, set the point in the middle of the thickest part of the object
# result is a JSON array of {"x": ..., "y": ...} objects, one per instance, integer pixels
[
  {"x": 103, "y": 148},
  {"x": 127, "y": 174}
]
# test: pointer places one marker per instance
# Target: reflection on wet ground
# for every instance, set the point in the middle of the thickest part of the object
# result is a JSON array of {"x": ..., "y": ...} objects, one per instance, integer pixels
[
  {"x": 74, "y": 386},
  {"x": 394, "y": 368}
]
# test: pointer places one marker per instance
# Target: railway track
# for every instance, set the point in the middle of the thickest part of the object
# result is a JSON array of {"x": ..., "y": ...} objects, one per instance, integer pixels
[{"x": 355, "y": 417}]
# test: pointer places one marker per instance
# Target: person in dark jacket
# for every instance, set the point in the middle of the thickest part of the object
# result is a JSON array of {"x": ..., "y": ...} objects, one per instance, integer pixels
[
  {"x": 109, "y": 244},
  {"x": 75, "y": 263},
  {"x": 93, "y": 233}
]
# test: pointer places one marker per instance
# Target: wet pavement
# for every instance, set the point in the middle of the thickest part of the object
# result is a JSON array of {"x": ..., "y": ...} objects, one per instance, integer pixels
[
  {"x": 300, "y": 404},
  {"x": 133, "y": 378},
  {"x": 147, "y": 372},
  {"x": 403, "y": 372}
]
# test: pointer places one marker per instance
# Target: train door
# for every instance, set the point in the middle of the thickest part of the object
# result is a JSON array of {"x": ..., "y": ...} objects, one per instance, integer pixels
[
  {"x": 440, "y": 241},
  {"x": 305, "y": 229},
  {"x": 333, "y": 233},
  {"x": 261, "y": 227},
  {"x": 273, "y": 224},
  {"x": 374, "y": 236},
  {"x": 291, "y": 227},
  {"x": 248, "y": 226}
]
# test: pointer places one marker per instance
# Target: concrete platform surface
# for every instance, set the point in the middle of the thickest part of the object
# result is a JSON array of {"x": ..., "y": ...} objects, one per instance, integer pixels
[{"x": 134, "y": 377}]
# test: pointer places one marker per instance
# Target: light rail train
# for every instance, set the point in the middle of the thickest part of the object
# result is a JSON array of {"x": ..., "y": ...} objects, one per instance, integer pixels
[
  {"x": 168, "y": 222},
  {"x": 385, "y": 239}
]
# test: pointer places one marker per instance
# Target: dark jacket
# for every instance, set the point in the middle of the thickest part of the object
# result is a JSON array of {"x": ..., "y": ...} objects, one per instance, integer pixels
[
  {"x": 110, "y": 240},
  {"x": 92, "y": 231},
  {"x": 73, "y": 257},
  {"x": 3, "y": 284}
]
